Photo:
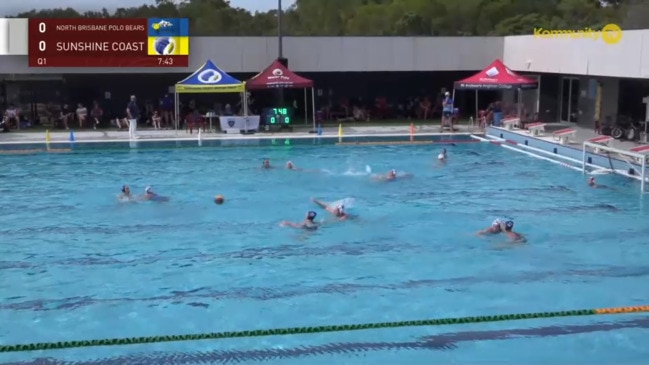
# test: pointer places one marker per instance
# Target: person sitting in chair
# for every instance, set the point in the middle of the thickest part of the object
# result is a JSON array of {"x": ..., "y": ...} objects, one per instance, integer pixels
[{"x": 11, "y": 117}]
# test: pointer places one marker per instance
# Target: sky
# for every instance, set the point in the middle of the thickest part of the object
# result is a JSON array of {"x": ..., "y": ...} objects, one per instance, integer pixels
[{"x": 11, "y": 7}]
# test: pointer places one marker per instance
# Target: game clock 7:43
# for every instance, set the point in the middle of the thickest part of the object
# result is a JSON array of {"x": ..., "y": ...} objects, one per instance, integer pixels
[
  {"x": 277, "y": 116},
  {"x": 165, "y": 61}
]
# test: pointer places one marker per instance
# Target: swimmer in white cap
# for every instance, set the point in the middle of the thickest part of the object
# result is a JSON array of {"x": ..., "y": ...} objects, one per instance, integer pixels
[
  {"x": 495, "y": 228},
  {"x": 442, "y": 155},
  {"x": 308, "y": 223},
  {"x": 337, "y": 211},
  {"x": 150, "y": 195},
  {"x": 390, "y": 176},
  {"x": 291, "y": 166}
]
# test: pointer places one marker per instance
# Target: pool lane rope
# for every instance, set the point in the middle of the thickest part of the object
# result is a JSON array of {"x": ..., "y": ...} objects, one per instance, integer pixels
[{"x": 318, "y": 329}]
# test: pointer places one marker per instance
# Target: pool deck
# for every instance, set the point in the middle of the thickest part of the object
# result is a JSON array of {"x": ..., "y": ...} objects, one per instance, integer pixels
[
  {"x": 547, "y": 146},
  {"x": 98, "y": 136},
  {"x": 582, "y": 135}
]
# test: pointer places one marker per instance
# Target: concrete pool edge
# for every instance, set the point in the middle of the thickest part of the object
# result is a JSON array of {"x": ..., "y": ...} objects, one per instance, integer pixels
[
  {"x": 234, "y": 138},
  {"x": 562, "y": 152},
  {"x": 146, "y": 135}
]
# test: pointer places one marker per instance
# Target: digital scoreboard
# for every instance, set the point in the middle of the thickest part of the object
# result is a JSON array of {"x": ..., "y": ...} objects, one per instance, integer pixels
[
  {"x": 156, "y": 42},
  {"x": 277, "y": 116}
]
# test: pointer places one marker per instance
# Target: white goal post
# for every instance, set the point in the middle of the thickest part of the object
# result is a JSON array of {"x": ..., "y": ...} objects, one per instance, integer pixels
[{"x": 630, "y": 157}]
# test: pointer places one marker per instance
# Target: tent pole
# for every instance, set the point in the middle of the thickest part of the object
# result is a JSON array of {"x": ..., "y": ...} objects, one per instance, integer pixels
[
  {"x": 245, "y": 99},
  {"x": 313, "y": 107},
  {"x": 454, "y": 104},
  {"x": 176, "y": 111},
  {"x": 476, "y": 106},
  {"x": 306, "y": 109}
]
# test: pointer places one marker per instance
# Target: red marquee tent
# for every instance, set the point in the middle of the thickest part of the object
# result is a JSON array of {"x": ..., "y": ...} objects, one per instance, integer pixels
[
  {"x": 279, "y": 76},
  {"x": 496, "y": 76}
]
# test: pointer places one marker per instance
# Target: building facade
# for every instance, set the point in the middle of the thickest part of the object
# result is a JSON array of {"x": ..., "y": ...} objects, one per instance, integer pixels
[{"x": 569, "y": 69}]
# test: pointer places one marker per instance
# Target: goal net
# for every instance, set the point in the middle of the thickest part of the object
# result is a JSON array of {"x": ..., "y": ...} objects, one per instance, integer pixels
[{"x": 629, "y": 163}]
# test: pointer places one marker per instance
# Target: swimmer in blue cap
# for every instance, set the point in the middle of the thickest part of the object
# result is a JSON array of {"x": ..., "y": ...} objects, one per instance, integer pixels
[
  {"x": 308, "y": 224},
  {"x": 495, "y": 228},
  {"x": 265, "y": 164},
  {"x": 508, "y": 228},
  {"x": 126, "y": 194},
  {"x": 337, "y": 211},
  {"x": 151, "y": 196}
]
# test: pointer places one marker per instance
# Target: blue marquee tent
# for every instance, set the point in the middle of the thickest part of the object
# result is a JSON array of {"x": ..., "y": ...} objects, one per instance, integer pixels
[{"x": 209, "y": 79}]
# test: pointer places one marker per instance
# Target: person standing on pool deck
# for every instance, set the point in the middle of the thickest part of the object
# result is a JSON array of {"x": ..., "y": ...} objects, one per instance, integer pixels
[
  {"x": 337, "y": 211},
  {"x": 133, "y": 114}
]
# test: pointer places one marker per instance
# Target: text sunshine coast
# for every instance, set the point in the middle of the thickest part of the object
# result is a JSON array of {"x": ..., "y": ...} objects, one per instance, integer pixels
[{"x": 101, "y": 47}]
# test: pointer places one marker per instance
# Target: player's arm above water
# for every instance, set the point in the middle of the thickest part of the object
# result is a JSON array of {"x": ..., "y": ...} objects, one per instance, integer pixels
[{"x": 322, "y": 205}]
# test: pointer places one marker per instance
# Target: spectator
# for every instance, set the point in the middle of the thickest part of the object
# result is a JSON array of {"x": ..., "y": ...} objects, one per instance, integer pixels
[
  {"x": 155, "y": 120},
  {"x": 167, "y": 108},
  {"x": 66, "y": 116},
  {"x": 82, "y": 114},
  {"x": 11, "y": 117},
  {"x": 132, "y": 113},
  {"x": 97, "y": 113}
]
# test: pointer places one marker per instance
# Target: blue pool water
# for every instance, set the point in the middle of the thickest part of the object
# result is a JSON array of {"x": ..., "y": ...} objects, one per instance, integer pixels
[{"x": 76, "y": 264}]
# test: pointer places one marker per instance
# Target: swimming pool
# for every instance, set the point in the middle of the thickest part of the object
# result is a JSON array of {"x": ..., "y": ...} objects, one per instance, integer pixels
[{"x": 76, "y": 264}]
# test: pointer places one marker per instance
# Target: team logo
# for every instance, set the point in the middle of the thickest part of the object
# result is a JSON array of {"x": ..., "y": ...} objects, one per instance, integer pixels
[
  {"x": 277, "y": 72},
  {"x": 492, "y": 72},
  {"x": 161, "y": 25},
  {"x": 209, "y": 76},
  {"x": 231, "y": 123},
  {"x": 164, "y": 46}
]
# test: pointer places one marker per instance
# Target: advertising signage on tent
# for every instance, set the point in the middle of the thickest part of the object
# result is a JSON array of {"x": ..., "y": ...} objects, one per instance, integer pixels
[
  {"x": 278, "y": 76},
  {"x": 209, "y": 79},
  {"x": 496, "y": 76}
]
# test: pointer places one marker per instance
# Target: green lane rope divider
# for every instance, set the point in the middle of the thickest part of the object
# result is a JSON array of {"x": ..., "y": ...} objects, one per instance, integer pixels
[{"x": 318, "y": 329}]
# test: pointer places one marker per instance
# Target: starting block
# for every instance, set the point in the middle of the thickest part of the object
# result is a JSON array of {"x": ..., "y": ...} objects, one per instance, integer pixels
[
  {"x": 536, "y": 129},
  {"x": 641, "y": 149},
  {"x": 603, "y": 140},
  {"x": 510, "y": 123},
  {"x": 564, "y": 135}
]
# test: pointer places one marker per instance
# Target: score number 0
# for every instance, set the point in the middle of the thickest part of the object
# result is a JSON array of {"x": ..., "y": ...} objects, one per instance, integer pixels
[
  {"x": 42, "y": 61},
  {"x": 41, "y": 29}
]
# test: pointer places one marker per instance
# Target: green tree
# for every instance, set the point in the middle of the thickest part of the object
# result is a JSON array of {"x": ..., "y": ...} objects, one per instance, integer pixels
[{"x": 385, "y": 17}]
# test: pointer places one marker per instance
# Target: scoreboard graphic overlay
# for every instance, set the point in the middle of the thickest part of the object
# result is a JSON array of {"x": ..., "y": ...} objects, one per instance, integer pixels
[{"x": 157, "y": 42}]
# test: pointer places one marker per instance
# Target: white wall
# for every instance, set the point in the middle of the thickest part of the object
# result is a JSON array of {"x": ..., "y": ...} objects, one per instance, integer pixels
[
  {"x": 316, "y": 54},
  {"x": 628, "y": 58}
]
